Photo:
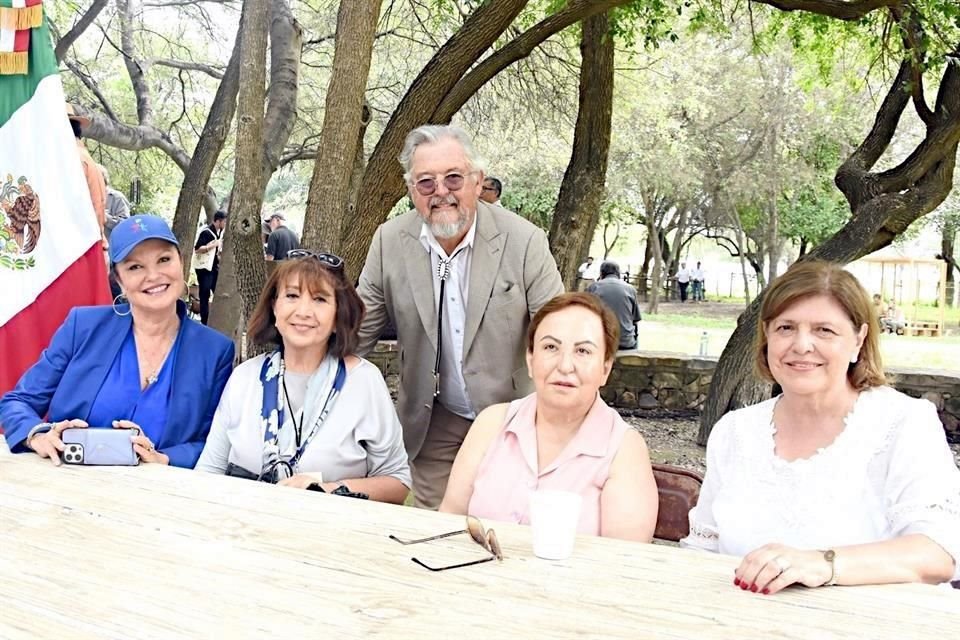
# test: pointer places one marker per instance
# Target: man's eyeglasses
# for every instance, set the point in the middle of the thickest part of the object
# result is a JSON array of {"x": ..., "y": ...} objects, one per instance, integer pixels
[
  {"x": 332, "y": 261},
  {"x": 485, "y": 538},
  {"x": 428, "y": 186}
]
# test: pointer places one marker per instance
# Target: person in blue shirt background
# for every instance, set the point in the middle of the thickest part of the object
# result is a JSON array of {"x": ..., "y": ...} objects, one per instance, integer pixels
[{"x": 141, "y": 365}]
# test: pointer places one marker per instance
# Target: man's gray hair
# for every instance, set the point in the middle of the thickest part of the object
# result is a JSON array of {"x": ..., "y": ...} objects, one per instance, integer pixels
[{"x": 432, "y": 133}]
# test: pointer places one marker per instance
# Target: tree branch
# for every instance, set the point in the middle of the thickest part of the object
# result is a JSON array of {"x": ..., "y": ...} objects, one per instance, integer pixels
[
  {"x": 850, "y": 173},
  {"x": 131, "y": 137},
  {"x": 64, "y": 43},
  {"x": 517, "y": 49},
  {"x": 839, "y": 9},
  {"x": 92, "y": 85},
  {"x": 213, "y": 72},
  {"x": 140, "y": 87}
]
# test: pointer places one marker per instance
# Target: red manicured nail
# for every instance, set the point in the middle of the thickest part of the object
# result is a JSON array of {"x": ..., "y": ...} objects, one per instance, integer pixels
[
  {"x": 765, "y": 591},
  {"x": 753, "y": 588},
  {"x": 736, "y": 582},
  {"x": 744, "y": 585}
]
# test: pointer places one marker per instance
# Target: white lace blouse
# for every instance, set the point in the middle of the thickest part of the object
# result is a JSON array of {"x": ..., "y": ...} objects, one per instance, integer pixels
[{"x": 889, "y": 473}]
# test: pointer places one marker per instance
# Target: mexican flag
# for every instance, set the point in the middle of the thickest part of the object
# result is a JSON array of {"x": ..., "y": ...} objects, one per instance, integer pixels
[{"x": 50, "y": 254}]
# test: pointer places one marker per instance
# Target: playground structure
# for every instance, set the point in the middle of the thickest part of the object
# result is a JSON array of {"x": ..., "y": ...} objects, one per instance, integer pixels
[{"x": 898, "y": 279}]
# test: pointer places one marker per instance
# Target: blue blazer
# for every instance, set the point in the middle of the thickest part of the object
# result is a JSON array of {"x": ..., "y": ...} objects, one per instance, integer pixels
[{"x": 64, "y": 383}]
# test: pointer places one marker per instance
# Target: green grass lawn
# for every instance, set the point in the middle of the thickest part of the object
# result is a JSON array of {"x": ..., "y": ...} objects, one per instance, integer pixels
[{"x": 681, "y": 333}]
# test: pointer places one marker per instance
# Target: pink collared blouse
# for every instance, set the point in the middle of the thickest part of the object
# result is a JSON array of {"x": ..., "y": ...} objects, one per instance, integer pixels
[{"x": 509, "y": 472}]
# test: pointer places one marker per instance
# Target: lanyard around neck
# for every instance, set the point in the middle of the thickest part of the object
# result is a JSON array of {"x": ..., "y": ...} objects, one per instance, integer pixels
[
  {"x": 338, "y": 382},
  {"x": 443, "y": 272}
]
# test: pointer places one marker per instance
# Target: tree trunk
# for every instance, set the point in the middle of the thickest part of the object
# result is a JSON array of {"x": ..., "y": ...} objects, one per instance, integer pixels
[
  {"x": 608, "y": 245},
  {"x": 65, "y": 42},
  {"x": 343, "y": 117},
  {"x": 245, "y": 255},
  {"x": 195, "y": 190},
  {"x": 948, "y": 236},
  {"x": 581, "y": 192},
  {"x": 656, "y": 271},
  {"x": 286, "y": 41}
]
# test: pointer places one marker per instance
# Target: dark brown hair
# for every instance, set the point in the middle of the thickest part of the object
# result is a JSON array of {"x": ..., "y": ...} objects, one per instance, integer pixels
[
  {"x": 817, "y": 278},
  {"x": 312, "y": 275},
  {"x": 611, "y": 326}
]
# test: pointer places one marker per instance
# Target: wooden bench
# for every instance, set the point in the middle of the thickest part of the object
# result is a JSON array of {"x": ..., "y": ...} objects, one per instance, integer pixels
[{"x": 923, "y": 328}]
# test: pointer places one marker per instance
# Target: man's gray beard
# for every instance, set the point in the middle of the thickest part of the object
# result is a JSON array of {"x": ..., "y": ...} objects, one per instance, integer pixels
[{"x": 447, "y": 230}]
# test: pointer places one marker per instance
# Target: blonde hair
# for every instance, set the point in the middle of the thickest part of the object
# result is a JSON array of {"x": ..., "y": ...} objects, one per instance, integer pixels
[{"x": 817, "y": 278}]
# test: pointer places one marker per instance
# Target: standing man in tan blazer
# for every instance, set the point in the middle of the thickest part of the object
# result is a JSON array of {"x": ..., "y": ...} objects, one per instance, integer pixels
[{"x": 459, "y": 274}]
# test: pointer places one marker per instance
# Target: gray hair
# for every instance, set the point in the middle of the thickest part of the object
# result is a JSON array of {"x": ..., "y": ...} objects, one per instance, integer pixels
[{"x": 432, "y": 133}]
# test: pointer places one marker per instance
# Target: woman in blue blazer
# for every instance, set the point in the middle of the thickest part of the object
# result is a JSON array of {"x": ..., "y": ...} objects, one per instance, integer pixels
[{"x": 141, "y": 365}]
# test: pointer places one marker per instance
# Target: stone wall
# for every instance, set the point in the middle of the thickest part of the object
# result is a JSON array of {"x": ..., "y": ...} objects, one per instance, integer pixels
[{"x": 652, "y": 380}]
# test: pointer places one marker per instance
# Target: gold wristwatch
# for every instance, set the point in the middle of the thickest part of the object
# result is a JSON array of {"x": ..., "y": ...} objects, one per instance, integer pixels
[{"x": 831, "y": 556}]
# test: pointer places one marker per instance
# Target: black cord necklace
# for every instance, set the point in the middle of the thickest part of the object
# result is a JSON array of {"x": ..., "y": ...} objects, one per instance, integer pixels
[{"x": 298, "y": 428}]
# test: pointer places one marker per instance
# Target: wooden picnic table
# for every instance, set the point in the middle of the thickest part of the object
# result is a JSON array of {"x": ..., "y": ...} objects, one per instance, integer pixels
[{"x": 158, "y": 552}]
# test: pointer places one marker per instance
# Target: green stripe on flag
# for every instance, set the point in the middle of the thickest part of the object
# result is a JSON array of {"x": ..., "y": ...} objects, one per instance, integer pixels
[{"x": 17, "y": 90}]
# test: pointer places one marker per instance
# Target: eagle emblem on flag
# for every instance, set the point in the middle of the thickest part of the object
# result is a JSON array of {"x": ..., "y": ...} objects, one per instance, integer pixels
[{"x": 19, "y": 223}]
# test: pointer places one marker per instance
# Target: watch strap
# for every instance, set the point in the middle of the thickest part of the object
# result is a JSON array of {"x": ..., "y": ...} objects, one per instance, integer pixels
[{"x": 831, "y": 556}]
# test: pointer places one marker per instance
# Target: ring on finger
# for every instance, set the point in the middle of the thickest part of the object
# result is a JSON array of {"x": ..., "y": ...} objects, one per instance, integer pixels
[{"x": 782, "y": 564}]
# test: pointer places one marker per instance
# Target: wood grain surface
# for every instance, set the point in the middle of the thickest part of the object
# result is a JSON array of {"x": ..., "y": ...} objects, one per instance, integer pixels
[{"x": 158, "y": 552}]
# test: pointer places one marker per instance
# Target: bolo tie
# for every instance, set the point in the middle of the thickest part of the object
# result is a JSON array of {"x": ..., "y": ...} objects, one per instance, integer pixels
[{"x": 443, "y": 272}]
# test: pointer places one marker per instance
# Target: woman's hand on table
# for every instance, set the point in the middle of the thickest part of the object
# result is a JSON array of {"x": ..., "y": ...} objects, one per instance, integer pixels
[
  {"x": 304, "y": 480},
  {"x": 142, "y": 445},
  {"x": 49, "y": 444},
  {"x": 773, "y": 567}
]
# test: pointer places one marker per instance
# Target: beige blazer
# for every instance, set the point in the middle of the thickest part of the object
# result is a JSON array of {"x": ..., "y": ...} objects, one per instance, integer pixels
[{"x": 512, "y": 275}]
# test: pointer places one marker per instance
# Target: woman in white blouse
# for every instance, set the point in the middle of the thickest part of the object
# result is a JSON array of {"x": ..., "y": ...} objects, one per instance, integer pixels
[
  {"x": 309, "y": 414},
  {"x": 841, "y": 479}
]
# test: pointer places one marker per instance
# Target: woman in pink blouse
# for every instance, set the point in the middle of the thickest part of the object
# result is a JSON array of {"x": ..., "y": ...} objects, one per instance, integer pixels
[{"x": 562, "y": 437}]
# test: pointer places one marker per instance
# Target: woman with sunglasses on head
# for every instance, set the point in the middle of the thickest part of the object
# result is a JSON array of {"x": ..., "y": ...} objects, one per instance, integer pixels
[
  {"x": 562, "y": 437},
  {"x": 309, "y": 414},
  {"x": 142, "y": 365}
]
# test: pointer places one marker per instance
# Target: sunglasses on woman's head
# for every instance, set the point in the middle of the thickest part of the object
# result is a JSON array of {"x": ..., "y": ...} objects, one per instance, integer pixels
[
  {"x": 428, "y": 186},
  {"x": 332, "y": 261}
]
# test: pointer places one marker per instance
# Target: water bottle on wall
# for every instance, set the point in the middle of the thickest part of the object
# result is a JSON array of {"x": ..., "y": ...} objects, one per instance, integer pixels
[{"x": 704, "y": 338}]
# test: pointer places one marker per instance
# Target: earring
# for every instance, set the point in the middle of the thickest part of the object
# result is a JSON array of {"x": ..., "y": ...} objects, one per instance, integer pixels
[
  {"x": 115, "y": 300},
  {"x": 854, "y": 357}
]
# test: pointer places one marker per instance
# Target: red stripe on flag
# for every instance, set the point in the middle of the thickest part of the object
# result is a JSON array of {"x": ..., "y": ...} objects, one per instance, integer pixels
[
  {"x": 21, "y": 40},
  {"x": 28, "y": 333},
  {"x": 33, "y": 3}
]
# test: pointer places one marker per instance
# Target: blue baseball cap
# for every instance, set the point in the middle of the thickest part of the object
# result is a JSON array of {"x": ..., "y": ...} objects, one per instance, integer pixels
[{"x": 130, "y": 232}]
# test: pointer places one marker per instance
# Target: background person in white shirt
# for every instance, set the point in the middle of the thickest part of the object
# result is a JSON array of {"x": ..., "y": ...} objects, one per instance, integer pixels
[
  {"x": 683, "y": 281},
  {"x": 696, "y": 277}
]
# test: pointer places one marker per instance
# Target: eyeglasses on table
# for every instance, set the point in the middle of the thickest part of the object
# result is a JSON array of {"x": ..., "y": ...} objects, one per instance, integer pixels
[{"x": 486, "y": 538}]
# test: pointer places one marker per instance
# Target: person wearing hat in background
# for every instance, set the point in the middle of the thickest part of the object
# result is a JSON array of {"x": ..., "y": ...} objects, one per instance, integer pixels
[
  {"x": 91, "y": 171},
  {"x": 142, "y": 364},
  {"x": 281, "y": 239}
]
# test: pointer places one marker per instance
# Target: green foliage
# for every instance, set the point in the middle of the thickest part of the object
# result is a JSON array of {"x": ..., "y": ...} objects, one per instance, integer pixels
[
  {"x": 815, "y": 209},
  {"x": 533, "y": 197}
]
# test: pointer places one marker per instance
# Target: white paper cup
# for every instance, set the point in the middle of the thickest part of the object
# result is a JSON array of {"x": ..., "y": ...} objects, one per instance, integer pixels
[{"x": 553, "y": 517}]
